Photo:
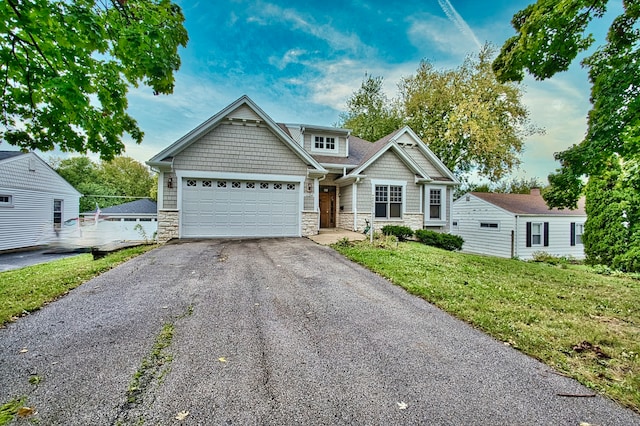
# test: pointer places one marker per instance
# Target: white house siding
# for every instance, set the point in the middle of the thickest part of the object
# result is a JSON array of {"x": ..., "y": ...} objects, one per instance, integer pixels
[
  {"x": 29, "y": 220},
  {"x": 559, "y": 237},
  {"x": 491, "y": 241}
]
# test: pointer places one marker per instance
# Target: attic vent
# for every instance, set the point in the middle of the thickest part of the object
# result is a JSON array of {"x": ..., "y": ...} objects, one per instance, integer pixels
[{"x": 32, "y": 164}]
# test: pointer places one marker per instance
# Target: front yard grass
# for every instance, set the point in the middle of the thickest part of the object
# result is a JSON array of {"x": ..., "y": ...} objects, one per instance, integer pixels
[
  {"x": 28, "y": 289},
  {"x": 584, "y": 325}
]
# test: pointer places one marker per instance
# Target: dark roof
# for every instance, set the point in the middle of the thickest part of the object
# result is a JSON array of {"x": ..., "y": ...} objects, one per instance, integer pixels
[
  {"x": 142, "y": 206},
  {"x": 8, "y": 154},
  {"x": 358, "y": 149},
  {"x": 528, "y": 204}
]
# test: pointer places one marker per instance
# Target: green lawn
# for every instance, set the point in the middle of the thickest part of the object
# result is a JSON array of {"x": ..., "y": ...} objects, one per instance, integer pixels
[
  {"x": 28, "y": 289},
  {"x": 585, "y": 325}
]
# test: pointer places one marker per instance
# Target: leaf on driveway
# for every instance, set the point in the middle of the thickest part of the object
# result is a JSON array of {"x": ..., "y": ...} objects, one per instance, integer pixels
[
  {"x": 402, "y": 405},
  {"x": 26, "y": 411},
  {"x": 24, "y": 350},
  {"x": 222, "y": 359},
  {"x": 182, "y": 415}
]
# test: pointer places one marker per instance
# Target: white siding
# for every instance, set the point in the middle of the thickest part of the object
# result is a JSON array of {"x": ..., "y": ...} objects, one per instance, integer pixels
[
  {"x": 491, "y": 241},
  {"x": 29, "y": 220},
  {"x": 559, "y": 237},
  {"x": 497, "y": 242}
]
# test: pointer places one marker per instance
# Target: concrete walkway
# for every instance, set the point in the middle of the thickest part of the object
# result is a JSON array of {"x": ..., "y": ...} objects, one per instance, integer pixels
[{"x": 328, "y": 236}]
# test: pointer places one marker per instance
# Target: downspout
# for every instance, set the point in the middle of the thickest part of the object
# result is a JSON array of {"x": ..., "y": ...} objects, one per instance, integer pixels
[
  {"x": 354, "y": 202},
  {"x": 515, "y": 240}
]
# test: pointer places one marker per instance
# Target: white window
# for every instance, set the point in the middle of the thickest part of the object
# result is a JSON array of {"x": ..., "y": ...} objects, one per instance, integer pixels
[
  {"x": 536, "y": 234},
  {"x": 388, "y": 201},
  {"x": 579, "y": 232},
  {"x": 57, "y": 214},
  {"x": 6, "y": 200},
  {"x": 435, "y": 204},
  {"x": 324, "y": 143}
]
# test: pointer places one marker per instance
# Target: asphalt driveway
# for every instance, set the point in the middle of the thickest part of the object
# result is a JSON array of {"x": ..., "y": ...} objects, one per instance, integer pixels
[{"x": 269, "y": 332}]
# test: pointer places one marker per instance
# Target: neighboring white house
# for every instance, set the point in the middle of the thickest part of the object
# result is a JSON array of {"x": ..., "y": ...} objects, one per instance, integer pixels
[
  {"x": 37, "y": 206},
  {"x": 133, "y": 221},
  {"x": 517, "y": 225}
]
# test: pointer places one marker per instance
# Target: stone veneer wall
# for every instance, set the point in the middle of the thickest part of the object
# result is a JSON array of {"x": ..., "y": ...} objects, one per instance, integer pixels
[
  {"x": 309, "y": 223},
  {"x": 345, "y": 221},
  {"x": 412, "y": 220},
  {"x": 168, "y": 225}
]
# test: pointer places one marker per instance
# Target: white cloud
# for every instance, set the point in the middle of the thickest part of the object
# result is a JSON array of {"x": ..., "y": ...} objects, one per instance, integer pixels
[{"x": 428, "y": 32}]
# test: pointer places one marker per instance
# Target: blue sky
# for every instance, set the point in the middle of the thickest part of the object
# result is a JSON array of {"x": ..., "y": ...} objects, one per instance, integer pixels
[{"x": 300, "y": 61}]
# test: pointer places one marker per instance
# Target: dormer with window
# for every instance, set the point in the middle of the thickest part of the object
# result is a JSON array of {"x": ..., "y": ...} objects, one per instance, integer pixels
[{"x": 320, "y": 140}]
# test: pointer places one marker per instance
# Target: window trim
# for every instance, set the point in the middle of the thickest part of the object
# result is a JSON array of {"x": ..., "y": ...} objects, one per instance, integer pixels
[
  {"x": 334, "y": 150},
  {"x": 9, "y": 202},
  {"x": 576, "y": 237},
  {"x": 388, "y": 183},
  {"x": 58, "y": 225},
  {"x": 489, "y": 225},
  {"x": 443, "y": 204},
  {"x": 544, "y": 234}
]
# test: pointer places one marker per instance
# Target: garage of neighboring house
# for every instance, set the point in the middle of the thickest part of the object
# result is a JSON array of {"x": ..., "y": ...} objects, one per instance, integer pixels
[{"x": 236, "y": 208}]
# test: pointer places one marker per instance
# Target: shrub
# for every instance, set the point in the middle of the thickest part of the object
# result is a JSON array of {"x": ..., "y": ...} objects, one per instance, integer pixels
[
  {"x": 628, "y": 261},
  {"x": 440, "y": 240},
  {"x": 402, "y": 233}
]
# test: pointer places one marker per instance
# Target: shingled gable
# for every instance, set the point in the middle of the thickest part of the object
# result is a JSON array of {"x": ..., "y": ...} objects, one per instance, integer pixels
[
  {"x": 163, "y": 159},
  {"x": 392, "y": 142},
  {"x": 527, "y": 204}
]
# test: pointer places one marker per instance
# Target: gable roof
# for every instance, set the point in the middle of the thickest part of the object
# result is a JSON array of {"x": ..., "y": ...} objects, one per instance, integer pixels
[
  {"x": 527, "y": 204},
  {"x": 367, "y": 153},
  {"x": 163, "y": 158},
  {"x": 141, "y": 206},
  {"x": 9, "y": 154}
]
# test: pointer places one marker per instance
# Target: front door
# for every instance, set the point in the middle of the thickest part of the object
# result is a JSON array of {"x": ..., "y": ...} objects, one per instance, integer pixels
[{"x": 327, "y": 209}]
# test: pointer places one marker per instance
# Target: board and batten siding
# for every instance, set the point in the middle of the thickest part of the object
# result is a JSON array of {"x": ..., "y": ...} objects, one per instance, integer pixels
[
  {"x": 468, "y": 215},
  {"x": 33, "y": 187}
]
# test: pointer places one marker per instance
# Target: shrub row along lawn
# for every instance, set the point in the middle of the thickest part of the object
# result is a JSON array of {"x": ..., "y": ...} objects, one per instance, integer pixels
[
  {"x": 584, "y": 325},
  {"x": 28, "y": 289}
]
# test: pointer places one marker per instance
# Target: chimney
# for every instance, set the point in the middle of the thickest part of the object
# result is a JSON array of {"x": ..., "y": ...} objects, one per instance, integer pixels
[{"x": 535, "y": 191}]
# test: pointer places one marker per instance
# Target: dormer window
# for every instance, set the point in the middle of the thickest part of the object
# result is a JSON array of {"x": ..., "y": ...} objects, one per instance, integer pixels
[{"x": 324, "y": 143}]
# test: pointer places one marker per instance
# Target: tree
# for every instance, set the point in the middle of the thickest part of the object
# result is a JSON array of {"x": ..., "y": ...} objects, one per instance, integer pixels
[
  {"x": 549, "y": 37},
  {"x": 66, "y": 67},
  {"x": 370, "y": 114},
  {"x": 108, "y": 183},
  {"x": 612, "y": 231},
  {"x": 128, "y": 176},
  {"x": 513, "y": 186},
  {"x": 467, "y": 118}
]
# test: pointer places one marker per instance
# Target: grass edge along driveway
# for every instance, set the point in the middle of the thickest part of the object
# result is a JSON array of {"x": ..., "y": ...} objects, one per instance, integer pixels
[
  {"x": 27, "y": 289},
  {"x": 584, "y": 325}
]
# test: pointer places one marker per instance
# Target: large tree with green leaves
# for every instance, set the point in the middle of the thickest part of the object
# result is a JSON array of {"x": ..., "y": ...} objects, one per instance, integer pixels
[
  {"x": 550, "y": 34},
  {"x": 108, "y": 183},
  {"x": 370, "y": 114},
  {"x": 467, "y": 118},
  {"x": 66, "y": 68}
]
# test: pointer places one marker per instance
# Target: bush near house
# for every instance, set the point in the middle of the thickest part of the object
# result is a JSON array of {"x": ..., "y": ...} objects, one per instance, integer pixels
[
  {"x": 440, "y": 240},
  {"x": 402, "y": 233}
]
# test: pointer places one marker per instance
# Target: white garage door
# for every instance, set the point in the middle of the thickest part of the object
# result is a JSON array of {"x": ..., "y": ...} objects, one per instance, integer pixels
[{"x": 234, "y": 208}]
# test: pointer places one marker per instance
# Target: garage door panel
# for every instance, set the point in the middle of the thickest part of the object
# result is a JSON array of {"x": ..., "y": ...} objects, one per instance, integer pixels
[{"x": 212, "y": 208}]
